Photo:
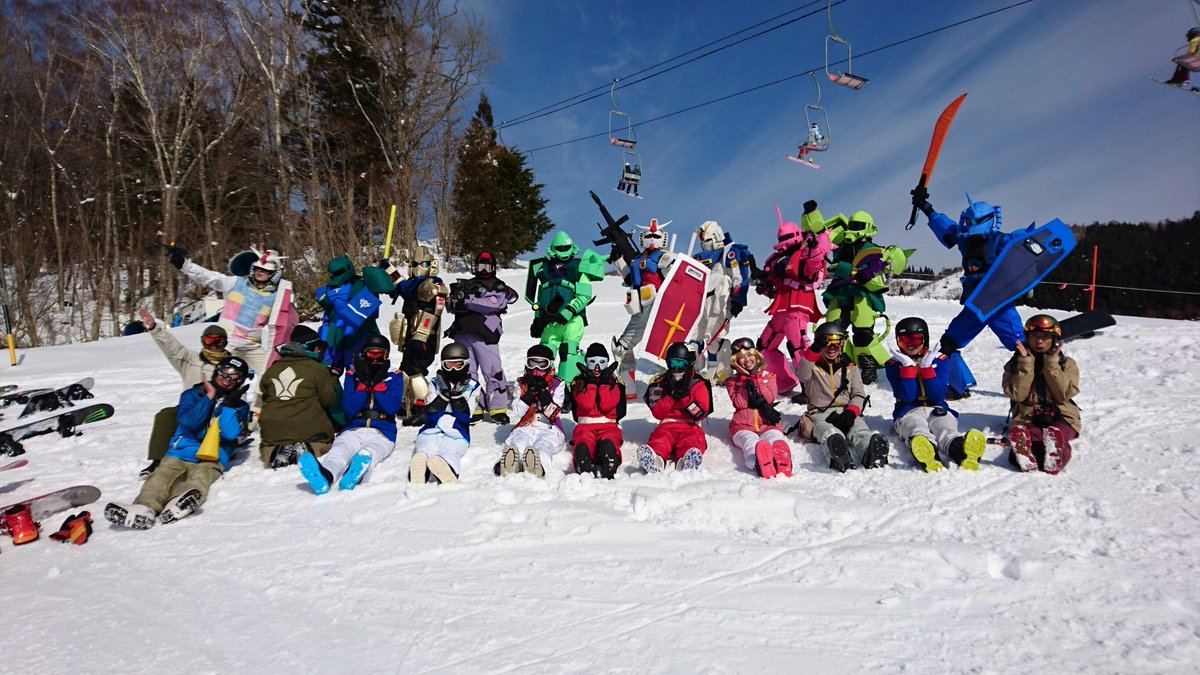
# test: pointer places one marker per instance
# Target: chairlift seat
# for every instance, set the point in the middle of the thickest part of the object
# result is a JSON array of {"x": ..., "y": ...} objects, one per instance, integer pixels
[
  {"x": 622, "y": 142},
  {"x": 1189, "y": 61},
  {"x": 848, "y": 80}
]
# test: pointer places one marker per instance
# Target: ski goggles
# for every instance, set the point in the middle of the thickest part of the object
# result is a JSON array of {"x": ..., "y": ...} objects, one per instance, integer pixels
[
  {"x": 375, "y": 354},
  {"x": 596, "y": 362},
  {"x": 742, "y": 344},
  {"x": 484, "y": 268},
  {"x": 214, "y": 340},
  {"x": 454, "y": 364},
  {"x": 678, "y": 364},
  {"x": 833, "y": 341},
  {"x": 537, "y": 363},
  {"x": 229, "y": 373},
  {"x": 911, "y": 341}
]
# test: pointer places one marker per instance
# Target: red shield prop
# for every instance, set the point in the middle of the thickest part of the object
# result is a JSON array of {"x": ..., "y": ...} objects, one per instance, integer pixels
[{"x": 676, "y": 309}]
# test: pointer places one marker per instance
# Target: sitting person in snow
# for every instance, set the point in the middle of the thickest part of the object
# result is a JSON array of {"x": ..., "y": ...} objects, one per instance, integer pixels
[
  {"x": 537, "y": 434},
  {"x": 1041, "y": 381},
  {"x": 372, "y": 396},
  {"x": 924, "y": 423},
  {"x": 193, "y": 367},
  {"x": 598, "y": 403},
  {"x": 180, "y": 483},
  {"x": 680, "y": 399},
  {"x": 453, "y": 399},
  {"x": 755, "y": 425},
  {"x": 298, "y": 394},
  {"x": 834, "y": 389}
]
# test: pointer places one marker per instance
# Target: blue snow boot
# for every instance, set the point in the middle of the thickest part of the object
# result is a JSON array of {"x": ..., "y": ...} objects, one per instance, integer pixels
[
  {"x": 355, "y": 472},
  {"x": 690, "y": 460},
  {"x": 318, "y": 477}
]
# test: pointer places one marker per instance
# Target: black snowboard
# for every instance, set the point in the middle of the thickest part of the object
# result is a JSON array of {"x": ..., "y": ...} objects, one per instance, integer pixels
[
  {"x": 62, "y": 397},
  {"x": 64, "y": 423},
  {"x": 1085, "y": 325}
]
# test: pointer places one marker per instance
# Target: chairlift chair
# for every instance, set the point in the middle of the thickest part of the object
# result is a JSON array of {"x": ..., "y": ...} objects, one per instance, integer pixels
[
  {"x": 1189, "y": 61},
  {"x": 627, "y": 139},
  {"x": 845, "y": 79}
]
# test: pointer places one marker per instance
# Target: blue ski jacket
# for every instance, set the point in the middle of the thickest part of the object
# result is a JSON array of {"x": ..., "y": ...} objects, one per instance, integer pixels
[
  {"x": 916, "y": 387},
  {"x": 194, "y": 412},
  {"x": 373, "y": 407}
]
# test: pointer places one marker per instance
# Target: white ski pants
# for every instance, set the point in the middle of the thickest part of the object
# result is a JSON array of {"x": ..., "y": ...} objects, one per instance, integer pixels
[
  {"x": 939, "y": 429},
  {"x": 746, "y": 441},
  {"x": 547, "y": 440},
  {"x": 349, "y": 443},
  {"x": 434, "y": 442}
]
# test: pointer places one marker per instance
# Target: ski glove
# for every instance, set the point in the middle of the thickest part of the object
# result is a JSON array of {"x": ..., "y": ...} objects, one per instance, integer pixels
[
  {"x": 769, "y": 414},
  {"x": 234, "y": 397},
  {"x": 754, "y": 398},
  {"x": 545, "y": 398},
  {"x": 843, "y": 420},
  {"x": 929, "y": 358},
  {"x": 177, "y": 256},
  {"x": 538, "y": 326},
  {"x": 901, "y": 358},
  {"x": 810, "y": 206},
  {"x": 920, "y": 198},
  {"x": 735, "y": 309}
]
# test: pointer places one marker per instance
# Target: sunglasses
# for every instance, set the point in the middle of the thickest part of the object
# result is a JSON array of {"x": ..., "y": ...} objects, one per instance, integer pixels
[
  {"x": 596, "y": 362},
  {"x": 454, "y": 364},
  {"x": 911, "y": 340},
  {"x": 678, "y": 364},
  {"x": 742, "y": 344},
  {"x": 214, "y": 340},
  {"x": 374, "y": 354},
  {"x": 537, "y": 363}
]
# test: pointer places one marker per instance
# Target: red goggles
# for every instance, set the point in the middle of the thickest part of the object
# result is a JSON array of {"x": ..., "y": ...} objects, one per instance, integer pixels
[
  {"x": 375, "y": 354},
  {"x": 911, "y": 341},
  {"x": 214, "y": 340}
]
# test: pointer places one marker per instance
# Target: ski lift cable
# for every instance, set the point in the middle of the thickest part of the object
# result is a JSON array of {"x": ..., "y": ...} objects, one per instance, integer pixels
[
  {"x": 789, "y": 78},
  {"x": 597, "y": 92}
]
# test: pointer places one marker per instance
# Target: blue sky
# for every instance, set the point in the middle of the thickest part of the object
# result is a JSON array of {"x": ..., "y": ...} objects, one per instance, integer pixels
[{"x": 1062, "y": 119}]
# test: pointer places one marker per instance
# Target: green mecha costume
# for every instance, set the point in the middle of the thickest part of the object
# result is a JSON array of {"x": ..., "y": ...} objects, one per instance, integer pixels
[
  {"x": 858, "y": 279},
  {"x": 559, "y": 288}
]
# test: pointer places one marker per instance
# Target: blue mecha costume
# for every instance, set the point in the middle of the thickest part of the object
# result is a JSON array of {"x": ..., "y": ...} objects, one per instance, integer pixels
[
  {"x": 979, "y": 240},
  {"x": 919, "y": 387},
  {"x": 737, "y": 260}
]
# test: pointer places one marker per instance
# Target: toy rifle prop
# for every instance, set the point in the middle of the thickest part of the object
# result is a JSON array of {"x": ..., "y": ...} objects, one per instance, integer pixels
[
  {"x": 620, "y": 240},
  {"x": 172, "y": 249},
  {"x": 940, "y": 129}
]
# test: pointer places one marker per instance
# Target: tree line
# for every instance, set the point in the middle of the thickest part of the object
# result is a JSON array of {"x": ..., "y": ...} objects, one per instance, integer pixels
[{"x": 214, "y": 125}]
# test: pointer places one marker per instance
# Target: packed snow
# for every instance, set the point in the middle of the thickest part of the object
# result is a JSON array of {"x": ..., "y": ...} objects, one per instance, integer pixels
[{"x": 714, "y": 571}]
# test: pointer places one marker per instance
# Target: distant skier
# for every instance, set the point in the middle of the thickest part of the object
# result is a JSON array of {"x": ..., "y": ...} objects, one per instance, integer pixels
[
  {"x": 598, "y": 404},
  {"x": 1042, "y": 383},
  {"x": 180, "y": 483},
  {"x": 1182, "y": 76},
  {"x": 754, "y": 427},
  {"x": 537, "y": 433},
  {"x": 680, "y": 399},
  {"x": 923, "y": 420}
]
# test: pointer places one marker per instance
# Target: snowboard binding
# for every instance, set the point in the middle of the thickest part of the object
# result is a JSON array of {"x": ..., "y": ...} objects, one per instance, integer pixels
[{"x": 10, "y": 446}]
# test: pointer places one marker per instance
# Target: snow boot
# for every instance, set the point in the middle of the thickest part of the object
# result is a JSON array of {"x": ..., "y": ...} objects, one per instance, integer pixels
[
  {"x": 318, "y": 477},
  {"x": 868, "y": 368},
  {"x": 418, "y": 469},
  {"x": 1022, "y": 448},
  {"x": 607, "y": 460},
  {"x": 510, "y": 462},
  {"x": 1057, "y": 450},
  {"x": 19, "y": 522},
  {"x": 783, "y": 457},
  {"x": 764, "y": 456},
  {"x": 967, "y": 449},
  {"x": 136, "y": 516},
  {"x": 501, "y": 419},
  {"x": 691, "y": 460},
  {"x": 180, "y": 507},
  {"x": 359, "y": 465},
  {"x": 288, "y": 454},
  {"x": 583, "y": 460},
  {"x": 876, "y": 456},
  {"x": 925, "y": 454},
  {"x": 839, "y": 453},
  {"x": 649, "y": 460},
  {"x": 145, "y": 473},
  {"x": 75, "y": 529},
  {"x": 532, "y": 463},
  {"x": 441, "y": 471}
]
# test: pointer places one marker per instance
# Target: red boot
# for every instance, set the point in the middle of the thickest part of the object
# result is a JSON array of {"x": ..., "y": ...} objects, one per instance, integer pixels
[
  {"x": 19, "y": 522},
  {"x": 765, "y": 458},
  {"x": 1022, "y": 448},
  {"x": 783, "y": 457},
  {"x": 75, "y": 529}
]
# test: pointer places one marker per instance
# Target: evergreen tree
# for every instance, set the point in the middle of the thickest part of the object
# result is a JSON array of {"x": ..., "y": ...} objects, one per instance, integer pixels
[{"x": 497, "y": 204}]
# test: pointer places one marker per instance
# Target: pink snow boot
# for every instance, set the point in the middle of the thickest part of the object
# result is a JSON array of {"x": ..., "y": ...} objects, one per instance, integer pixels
[
  {"x": 783, "y": 457},
  {"x": 764, "y": 455}
]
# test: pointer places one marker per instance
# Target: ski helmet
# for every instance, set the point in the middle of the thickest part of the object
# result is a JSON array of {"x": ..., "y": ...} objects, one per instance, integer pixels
[
  {"x": 740, "y": 347},
  {"x": 341, "y": 271},
  {"x": 712, "y": 237},
  {"x": 979, "y": 219},
  {"x": 1193, "y": 33},
  {"x": 230, "y": 369},
  {"x": 680, "y": 359},
  {"x": 829, "y": 334},
  {"x": 372, "y": 362},
  {"x": 912, "y": 331},
  {"x": 562, "y": 248},
  {"x": 485, "y": 265},
  {"x": 860, "y": 227},
  {"x": 214, "y": 338},
  {"x": 789, "y": 233},
  {"x": 596, "y": 357},
  {"x": 309, "y": 339},
  {"x": 455, "y": 360},
  {"x": 653, "y": 237},
  {"x": 1044, "y": 323},
  {"x": 539, "y": 361}
]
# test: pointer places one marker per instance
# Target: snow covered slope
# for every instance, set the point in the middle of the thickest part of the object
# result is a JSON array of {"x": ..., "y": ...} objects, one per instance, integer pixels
[{"x": 716, "y": 571}]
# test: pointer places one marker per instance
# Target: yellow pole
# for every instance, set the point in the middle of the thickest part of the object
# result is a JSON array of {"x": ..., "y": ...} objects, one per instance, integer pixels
[
  {"x": 12, "y": 350},
  {"x": 387, "y": 244}
]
